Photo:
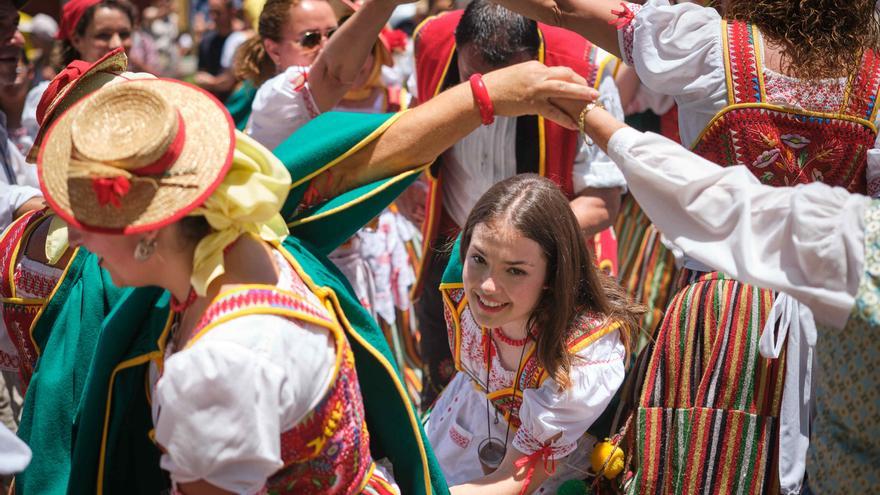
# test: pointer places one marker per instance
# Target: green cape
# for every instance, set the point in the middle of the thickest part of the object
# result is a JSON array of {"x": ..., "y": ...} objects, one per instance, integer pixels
[
  {"x": 109, "y": 444},
  {"x": 239, "y": 104}
]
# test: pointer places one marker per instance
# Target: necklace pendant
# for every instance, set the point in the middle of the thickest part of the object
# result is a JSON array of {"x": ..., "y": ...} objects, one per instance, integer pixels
[{"x": 491, "y": 453}]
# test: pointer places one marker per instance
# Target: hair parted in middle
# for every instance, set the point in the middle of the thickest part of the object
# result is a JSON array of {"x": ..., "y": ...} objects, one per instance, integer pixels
[{"x": 537, "y": 208}]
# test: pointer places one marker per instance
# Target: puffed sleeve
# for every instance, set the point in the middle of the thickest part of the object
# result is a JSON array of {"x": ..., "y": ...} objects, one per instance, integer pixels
[
  {"x": 281, "y": 106},
  {"x": 677, "y": 50},
  {"x": 592, "y": 167},
  {"x": 806, "y": 240},
  {"x": 547, "y": 412},
  {"x": 224, "y": 402}
]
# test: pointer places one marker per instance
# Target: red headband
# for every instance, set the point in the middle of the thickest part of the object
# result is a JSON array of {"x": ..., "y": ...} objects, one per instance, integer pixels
[{"x": 71, "y": 13}]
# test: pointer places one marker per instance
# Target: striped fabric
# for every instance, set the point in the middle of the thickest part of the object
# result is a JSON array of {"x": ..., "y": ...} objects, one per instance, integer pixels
[
  {"x": 708, "y": 415},
  {"x": 647, "y": 269}
]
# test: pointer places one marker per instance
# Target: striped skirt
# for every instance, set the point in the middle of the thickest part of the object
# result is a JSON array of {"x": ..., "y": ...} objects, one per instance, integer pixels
[
  {"x": 708, "y": 414},
  {"x": 647, "y": 269}
]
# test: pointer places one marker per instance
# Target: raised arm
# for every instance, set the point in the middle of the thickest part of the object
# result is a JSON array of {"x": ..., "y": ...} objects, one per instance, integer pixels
[
  {"x": 419, "y": 135},
  {"x": 593, "y": 19},
  {"x": 339, "y": 63}
]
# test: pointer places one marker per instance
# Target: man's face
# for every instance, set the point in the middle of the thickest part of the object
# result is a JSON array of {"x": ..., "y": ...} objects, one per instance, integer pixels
[
  {"x": 11, "y": 42},
  {"x": 470, "y": 62}
]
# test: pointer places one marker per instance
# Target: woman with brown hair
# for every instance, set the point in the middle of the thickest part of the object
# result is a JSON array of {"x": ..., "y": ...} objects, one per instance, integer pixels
[
  {"x": 789, "y": 90},
  {"x": 539, "y": 336},
  {"x": 89, "y": 30},
  {"x": 299, "y": 72}
]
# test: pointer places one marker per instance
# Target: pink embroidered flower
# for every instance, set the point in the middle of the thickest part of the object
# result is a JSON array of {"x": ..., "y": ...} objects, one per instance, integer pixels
[
  {"x": 817, "y": 175},
  {"x": 766, "y": 158},
  {"x": 794, "y": 140}
]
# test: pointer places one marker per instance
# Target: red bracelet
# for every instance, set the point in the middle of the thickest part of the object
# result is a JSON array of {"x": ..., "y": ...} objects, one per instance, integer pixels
[{"x": 481, "y": 96}]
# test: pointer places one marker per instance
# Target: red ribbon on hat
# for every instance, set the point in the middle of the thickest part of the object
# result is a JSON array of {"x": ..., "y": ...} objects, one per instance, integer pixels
[
  {"x": 532, "y": 462},
  {"x": 70, "y": 73},
  {"x": 164, "y": 162},
  {"x": 110, "y": 190},
  {"x": 71, "y": 13},
  {"x": 66, "y": 77}
]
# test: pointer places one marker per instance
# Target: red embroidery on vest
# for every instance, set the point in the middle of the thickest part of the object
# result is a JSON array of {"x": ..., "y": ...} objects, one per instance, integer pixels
[
  {"x": 788, "y": 147},
  {"x": 19, "y": 316},
  {"x": 328, "y": 451}
]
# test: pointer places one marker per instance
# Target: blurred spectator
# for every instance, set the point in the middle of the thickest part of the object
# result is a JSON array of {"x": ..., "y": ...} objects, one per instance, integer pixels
[
  {"x": 40, "y": 32},
  {"x": 92, "y": 28},
  {"x": 89, "y": 30},
  {"x": 12, "y": 99},
  {"x": 217, "y": 49},
  {"x": 161, "y": 24}
]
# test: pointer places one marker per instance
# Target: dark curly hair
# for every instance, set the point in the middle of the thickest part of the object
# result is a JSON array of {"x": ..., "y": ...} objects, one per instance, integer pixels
[{"x": 819, "y": 38}]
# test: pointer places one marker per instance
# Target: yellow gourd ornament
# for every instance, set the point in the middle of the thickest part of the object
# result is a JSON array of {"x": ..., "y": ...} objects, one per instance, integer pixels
[{"x": 614, "y": 455}]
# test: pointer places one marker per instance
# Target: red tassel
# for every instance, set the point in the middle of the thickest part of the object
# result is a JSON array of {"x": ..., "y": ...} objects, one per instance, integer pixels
[
  {"x": 111, "y": 190},
  {"x": 624, "y": 17},
  {"x": 532, "y": 462}
]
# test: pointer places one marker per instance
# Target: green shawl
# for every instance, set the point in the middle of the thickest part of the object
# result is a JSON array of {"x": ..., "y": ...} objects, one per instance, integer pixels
[{"x": 109, "y": 449}]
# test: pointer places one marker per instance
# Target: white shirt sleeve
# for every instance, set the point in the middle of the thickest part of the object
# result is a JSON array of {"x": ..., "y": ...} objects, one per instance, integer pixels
[
  {"x": 29, "y": 113},
  {"x": 224, "y": 402},
  {"x": 230, "y": 46},
  {"x": 807, "y": 240},
  {"x": 596, "y": 374},
  {"x": 11, "y": 199},
  {"x": 281, "y": 106},
  {"x": 592, "y": 167},
  {"x": 677, "y": 50}
]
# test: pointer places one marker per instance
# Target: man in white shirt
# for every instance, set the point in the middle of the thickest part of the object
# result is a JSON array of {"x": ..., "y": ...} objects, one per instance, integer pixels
[
  {"x": 488, "y": 37},
  {"x": 18, "y": 181}
]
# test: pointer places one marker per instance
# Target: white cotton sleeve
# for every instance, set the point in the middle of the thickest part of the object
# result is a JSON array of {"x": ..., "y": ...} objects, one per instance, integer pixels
[
  {"x": 677, "y": 50},
  {"x": 806, "y": 240},
  {"x": 592, "y": 167},
  {"x": 224, "y": 402},
  {"x": 563, "y": 416},
  {"x": 281, "y": 106}
]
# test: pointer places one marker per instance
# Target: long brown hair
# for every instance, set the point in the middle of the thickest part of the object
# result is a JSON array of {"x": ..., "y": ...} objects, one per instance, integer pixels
[
  {"x": 537, "y": 208},
  {"x": 819, "y": 38},
  {"x": 252, "y": 61}
]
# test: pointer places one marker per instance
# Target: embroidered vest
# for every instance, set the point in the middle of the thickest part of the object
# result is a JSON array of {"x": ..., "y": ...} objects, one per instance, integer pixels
[
  {"x": 784, "y": 146},
  {"x": 844, "y": 453},
  {"x": 18, "y": 312},
  {"x": 531, "y": 374},
  {"x": 328, "y": 451}
]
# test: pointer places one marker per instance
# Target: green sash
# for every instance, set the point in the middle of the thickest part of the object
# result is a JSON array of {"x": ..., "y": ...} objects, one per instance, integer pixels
[{"x": 109, "y": 442}]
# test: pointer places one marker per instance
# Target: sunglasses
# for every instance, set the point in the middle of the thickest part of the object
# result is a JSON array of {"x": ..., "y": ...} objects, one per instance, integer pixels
[{"x": 311, "y": 39}]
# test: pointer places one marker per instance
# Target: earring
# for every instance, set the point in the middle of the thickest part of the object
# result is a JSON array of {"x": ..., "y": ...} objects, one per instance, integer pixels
[{"x": 144, "y": 249}]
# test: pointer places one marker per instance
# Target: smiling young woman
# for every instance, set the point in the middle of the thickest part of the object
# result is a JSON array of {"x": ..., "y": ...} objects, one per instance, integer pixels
[{"x": 539, "y": 336}]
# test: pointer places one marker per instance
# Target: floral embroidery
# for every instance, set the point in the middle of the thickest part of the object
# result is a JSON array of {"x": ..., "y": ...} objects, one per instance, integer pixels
[
  {"x": 766, "y": 158},
  {"x": 795, "y": 141},
  {"x": 784, "y": 146}
]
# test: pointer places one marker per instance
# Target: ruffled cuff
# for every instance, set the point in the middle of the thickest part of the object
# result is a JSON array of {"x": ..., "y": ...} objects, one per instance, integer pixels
[{"x": 626, "y": 29}]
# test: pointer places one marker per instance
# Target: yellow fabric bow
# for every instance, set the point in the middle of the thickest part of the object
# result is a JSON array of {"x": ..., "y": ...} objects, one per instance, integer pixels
[{"x": 247, "y": 201}]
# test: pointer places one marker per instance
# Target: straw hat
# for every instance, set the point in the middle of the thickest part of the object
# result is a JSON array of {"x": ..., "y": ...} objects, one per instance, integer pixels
[
  {"x": 76, "y": 81},
  {"x": 135, "y": 156}
]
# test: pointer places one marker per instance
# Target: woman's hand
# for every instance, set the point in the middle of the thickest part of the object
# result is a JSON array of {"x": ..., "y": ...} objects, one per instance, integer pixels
[
  {"x": 531, "y": 87},
  {"x": 599, "y": 125}
]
